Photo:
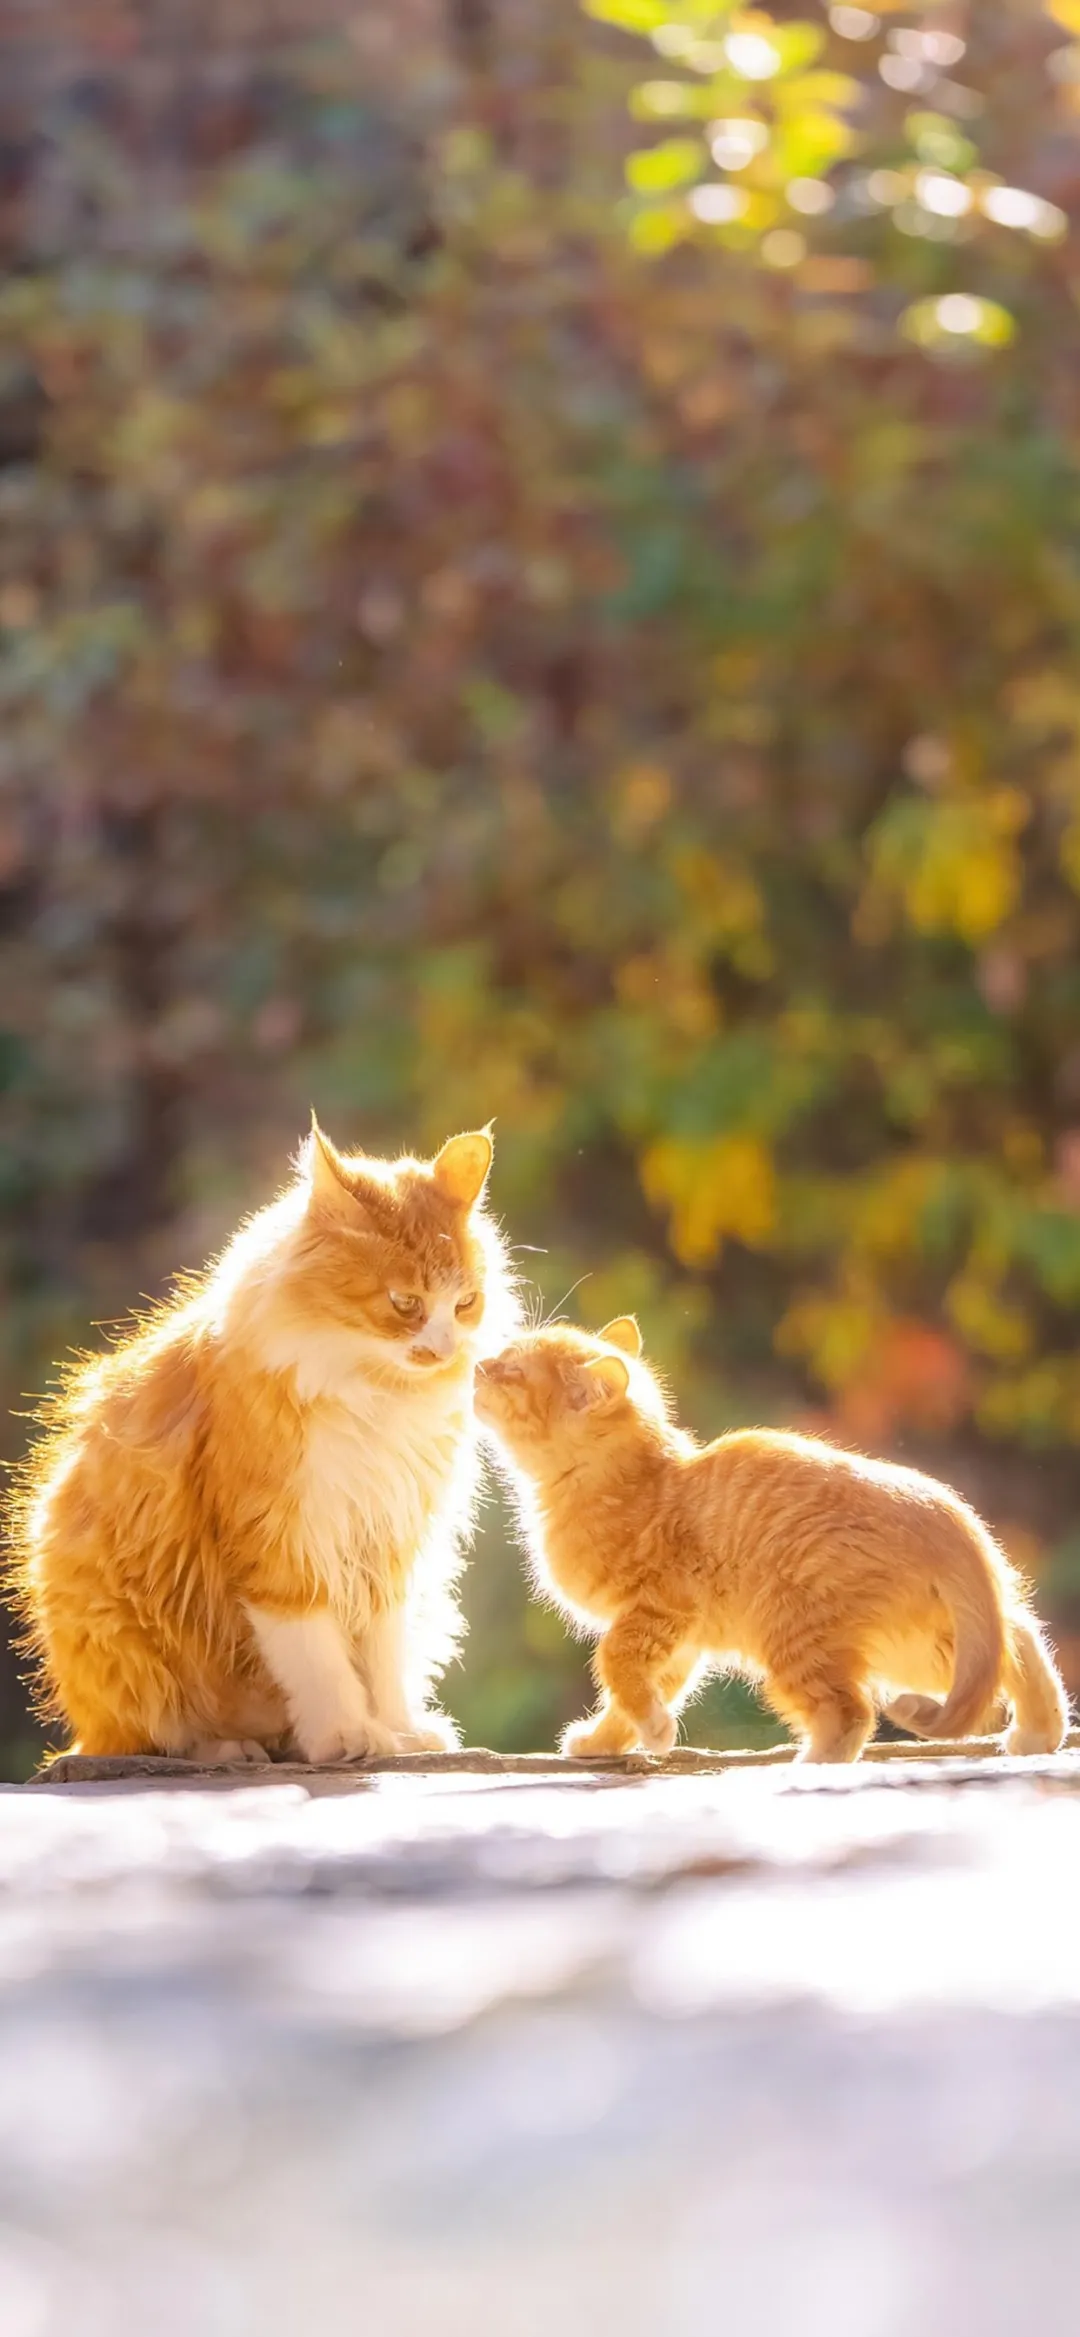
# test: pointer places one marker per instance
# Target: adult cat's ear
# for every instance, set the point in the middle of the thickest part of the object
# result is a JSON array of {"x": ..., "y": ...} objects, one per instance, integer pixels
[
  {"x": 329, "y": 1171},
  {"x": 624, "y": 1333},
  {"x": 460, "y": 1170},
  {"x": 609, "y": 1375}
]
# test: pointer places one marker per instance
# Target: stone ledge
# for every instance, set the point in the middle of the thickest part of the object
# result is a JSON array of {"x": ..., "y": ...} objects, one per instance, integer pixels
[{"x": 156, "y": 1769}]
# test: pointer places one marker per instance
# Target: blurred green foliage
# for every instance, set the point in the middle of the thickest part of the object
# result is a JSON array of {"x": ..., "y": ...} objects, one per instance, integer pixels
[{"x": 540, "y": 576}]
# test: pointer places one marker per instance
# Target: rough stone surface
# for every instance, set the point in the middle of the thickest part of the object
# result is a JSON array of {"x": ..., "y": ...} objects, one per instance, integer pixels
[
  {"x": 79, "y": 1769},
  {"x": 534, "y": 2047}
]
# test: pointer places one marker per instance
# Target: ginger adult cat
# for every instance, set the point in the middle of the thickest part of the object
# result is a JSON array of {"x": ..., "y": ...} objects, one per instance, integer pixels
[
  {"x": 241, "y": 1528},
  {"x": 843, "y": 1584}
]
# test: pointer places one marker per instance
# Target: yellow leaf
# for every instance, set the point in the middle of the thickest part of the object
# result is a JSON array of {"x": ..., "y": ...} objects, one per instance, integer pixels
[
  {"x": 659, "y": 101},
  {"x": 655, "y": 230},
  {"x": 721, "y": 895},
  {"x": 1042, "y": 1402},
  {"x": 711, "y": 1188},
  {"x": 642, "y": 793},
  {"x": 658, "y": 170},
  {"x": 835, "y": 1332},
  {"x": 887, "y": 1212},
  {"x": 954, "y": 865},
  {"x": 987, "y": 1322}
]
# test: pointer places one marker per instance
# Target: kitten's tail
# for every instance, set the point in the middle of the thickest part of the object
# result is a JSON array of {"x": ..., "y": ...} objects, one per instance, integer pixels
[{"x": 966, "y": 1569}]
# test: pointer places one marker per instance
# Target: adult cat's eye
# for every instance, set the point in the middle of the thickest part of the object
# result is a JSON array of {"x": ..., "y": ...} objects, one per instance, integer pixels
[
  {"x": 406, "y": 1305},
  {"x": 469, "y": 1304}
]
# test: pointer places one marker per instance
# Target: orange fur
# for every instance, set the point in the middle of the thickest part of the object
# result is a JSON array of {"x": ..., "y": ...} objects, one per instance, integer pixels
[
  {"x": 241, "y": 1528},
  {"x": 839, "y": 1582}
]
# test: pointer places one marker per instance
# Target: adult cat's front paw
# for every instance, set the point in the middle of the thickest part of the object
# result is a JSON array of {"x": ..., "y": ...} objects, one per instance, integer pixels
[
  {"x": 432, "y": 1733},
  {"x": 357, "y": 1740},
  {"x": 226, "y": 1752}
]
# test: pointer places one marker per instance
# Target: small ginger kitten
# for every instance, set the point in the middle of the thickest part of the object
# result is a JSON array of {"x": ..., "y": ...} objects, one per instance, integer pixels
[
  {"x": 241, "y": 1529},
  {"x": 842, "y": 1584}
]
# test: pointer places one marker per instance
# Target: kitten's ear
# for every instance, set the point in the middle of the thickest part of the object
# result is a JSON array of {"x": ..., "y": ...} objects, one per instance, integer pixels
[
  {"x": 624, "y": 1333},
  {"x": 330, "y": 1179},
  {"x": 609, "y": 1375},
  {"x": 460, "y": 1169}
]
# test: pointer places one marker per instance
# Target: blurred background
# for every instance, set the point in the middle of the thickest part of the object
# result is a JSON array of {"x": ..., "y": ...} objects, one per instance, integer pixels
[{"x": 540, "y": 576}]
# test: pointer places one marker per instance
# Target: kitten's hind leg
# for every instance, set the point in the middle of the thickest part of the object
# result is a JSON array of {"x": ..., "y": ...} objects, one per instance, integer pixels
[
  {"x": 834, "y": 1717},
  {"x": 1040, "y": 1702}
]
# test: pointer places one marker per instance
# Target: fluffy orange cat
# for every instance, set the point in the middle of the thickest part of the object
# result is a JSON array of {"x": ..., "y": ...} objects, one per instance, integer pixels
[
  {"x": 241, "y": 1529},
  {"x": 842, "y": 1584}
]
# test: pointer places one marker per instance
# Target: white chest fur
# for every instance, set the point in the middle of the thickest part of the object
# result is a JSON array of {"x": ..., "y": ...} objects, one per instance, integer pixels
[{"x": 386, "y": 1480}]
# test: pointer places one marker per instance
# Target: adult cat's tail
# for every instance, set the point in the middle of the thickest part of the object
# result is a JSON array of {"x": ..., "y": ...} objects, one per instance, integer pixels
[{"x": 966, "y": 1573}]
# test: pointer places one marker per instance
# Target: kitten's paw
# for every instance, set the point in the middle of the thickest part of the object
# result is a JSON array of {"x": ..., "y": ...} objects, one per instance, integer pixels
[
  {"x": 596, "y": 1740},
  {"x": 1021, "y": 1742},
  {"x": 578, "y": 1743},
  {"x": 659, "y": 1734},
  {"x": 359, "y": 1740}
]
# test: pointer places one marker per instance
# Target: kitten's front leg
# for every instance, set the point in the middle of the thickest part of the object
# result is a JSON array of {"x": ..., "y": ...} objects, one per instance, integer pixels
[
  {"x": 329, "y": 1708},
  {"x": 607, "y": 1732},
  {"x": 382, "y": 1653},
  {"x": 610, "y": 1730},
  {"x": 639, "y": 1664}
]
